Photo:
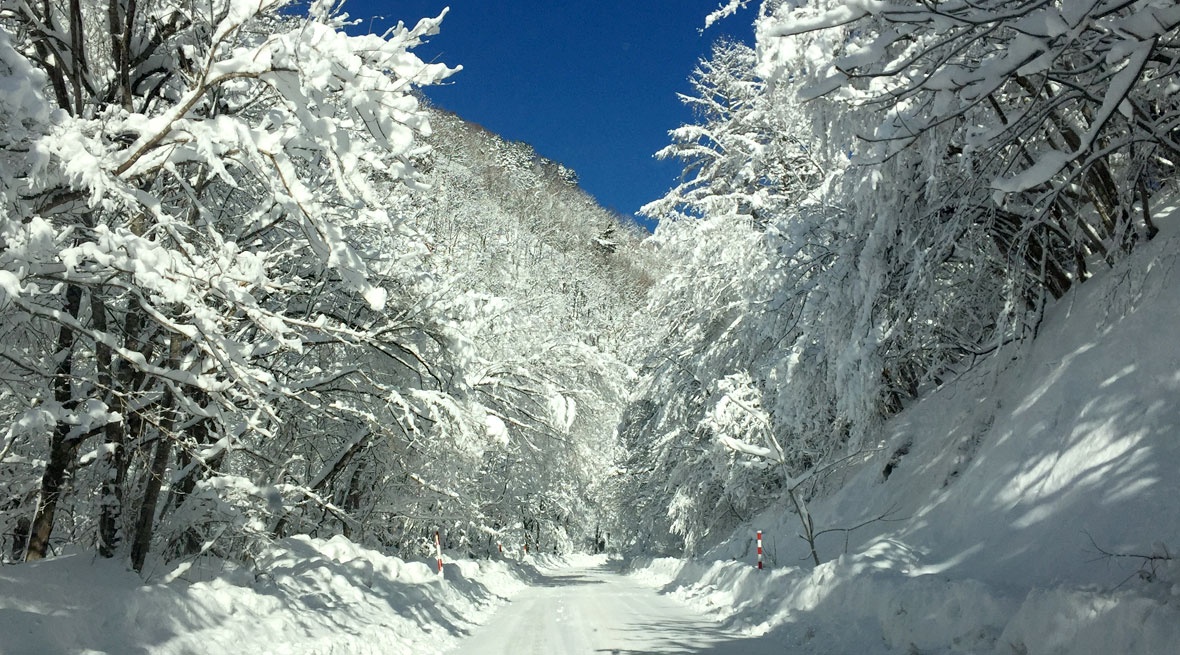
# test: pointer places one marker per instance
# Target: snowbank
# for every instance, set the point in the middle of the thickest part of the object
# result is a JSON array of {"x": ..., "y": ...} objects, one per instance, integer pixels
[
  {"x": 855, "y": 605},
  {"x": 1006, "y": 491},
  {"x": 302, "y": 595}
]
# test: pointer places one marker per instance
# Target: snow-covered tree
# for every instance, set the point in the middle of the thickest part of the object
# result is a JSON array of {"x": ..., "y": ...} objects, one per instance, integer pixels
[
  {"x": 188, "y": 197},
  {"x": 1046, "y": 123},
  {"x": 744, "y": 155}
]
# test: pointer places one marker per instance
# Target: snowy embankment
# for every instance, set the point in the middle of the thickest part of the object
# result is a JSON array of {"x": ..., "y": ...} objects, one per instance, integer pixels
[
  {"x": 302, "y": 595},
  {"x": 1031, "y": 507}
]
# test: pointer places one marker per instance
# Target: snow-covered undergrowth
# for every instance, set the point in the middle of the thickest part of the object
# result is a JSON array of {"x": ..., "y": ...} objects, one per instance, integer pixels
[
  {"x": 1005, "y": 493},
  {"x": 302, "y": 595}
]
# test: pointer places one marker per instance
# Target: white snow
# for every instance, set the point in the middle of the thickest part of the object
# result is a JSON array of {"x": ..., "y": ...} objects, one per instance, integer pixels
[
  {"x": 301, "y": 595},
  {"x": 865, "y": 603},
  {"x": 591, "y": 608},
  {"x": 497, "y": 430}
]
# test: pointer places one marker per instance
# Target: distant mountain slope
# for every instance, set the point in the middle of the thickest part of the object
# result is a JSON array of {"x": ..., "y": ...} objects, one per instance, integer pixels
[
  {"x": 556, "y": 288},
  {"x": 508, "y": 221}
]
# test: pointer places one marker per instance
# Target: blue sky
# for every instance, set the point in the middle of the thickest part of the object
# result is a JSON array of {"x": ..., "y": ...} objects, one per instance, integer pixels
[{"x": 591, "y": 84}]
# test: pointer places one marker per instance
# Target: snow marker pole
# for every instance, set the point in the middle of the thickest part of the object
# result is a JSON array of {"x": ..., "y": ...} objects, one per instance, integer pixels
[
  {"x": 759, "y": 549},
  {"x": 438, "y": 551}
]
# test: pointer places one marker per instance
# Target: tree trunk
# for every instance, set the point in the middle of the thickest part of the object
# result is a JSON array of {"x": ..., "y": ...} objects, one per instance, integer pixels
[
  {"x": 111, "y": 490},
  {"x": 151, "y": 495},
  {"x": 20, "y": 538},
  {"x": 128, "y": 380},
  {"x": 191, "y": 540},
  {"x": 352, "y": 499},
  {"x": 62, "y": 449},
  {"x": 1150, "y": 230},
  {"x": 1035, "y": 252}
]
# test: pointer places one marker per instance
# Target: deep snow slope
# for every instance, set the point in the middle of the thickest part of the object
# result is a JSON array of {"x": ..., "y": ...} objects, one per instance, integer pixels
[
  {"x": 301, "y": 596},
  {"x": 1005, "y": 486}
]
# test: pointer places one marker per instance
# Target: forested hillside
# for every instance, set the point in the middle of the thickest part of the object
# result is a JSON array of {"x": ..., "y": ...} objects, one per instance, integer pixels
[
  {"x": 245, "y": 297},
  {"x": 876, "y": 198},
  {"x": 560, "y": 286}
]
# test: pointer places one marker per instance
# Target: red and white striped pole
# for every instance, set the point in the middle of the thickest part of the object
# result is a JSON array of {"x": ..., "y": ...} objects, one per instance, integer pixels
[
  {"x": 438, "y": 551},
  {"x": 760, "y": 549}
]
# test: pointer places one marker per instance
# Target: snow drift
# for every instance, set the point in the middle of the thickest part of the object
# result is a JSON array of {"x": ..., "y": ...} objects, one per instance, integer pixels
[{"x": 302, "y": 595}]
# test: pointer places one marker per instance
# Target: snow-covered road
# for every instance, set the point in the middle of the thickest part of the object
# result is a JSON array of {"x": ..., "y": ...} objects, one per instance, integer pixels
[{"x": 586, "y": 611}]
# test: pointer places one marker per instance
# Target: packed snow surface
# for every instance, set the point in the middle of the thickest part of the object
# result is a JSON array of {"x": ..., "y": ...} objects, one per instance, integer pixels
[{"x": 584, "y": 610}]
